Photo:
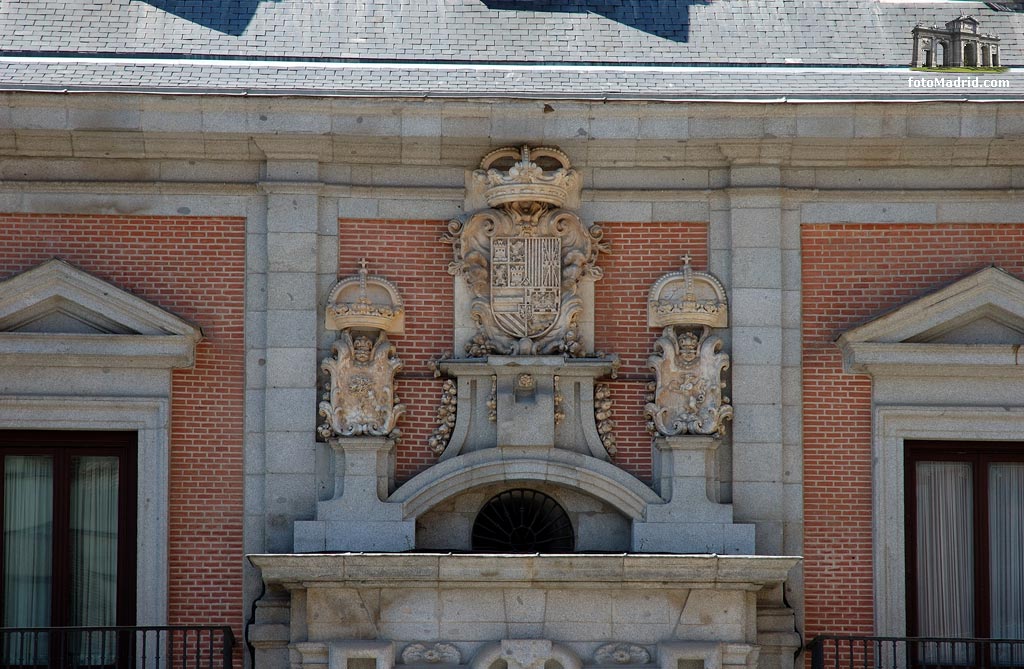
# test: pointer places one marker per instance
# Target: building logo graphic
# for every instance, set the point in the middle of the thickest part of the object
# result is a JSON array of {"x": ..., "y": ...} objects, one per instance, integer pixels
[{"x": 957, "y": 45}]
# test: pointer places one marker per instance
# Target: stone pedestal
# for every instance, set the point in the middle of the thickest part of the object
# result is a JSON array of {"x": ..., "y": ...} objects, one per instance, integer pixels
[
  {"x": 531, "y": 402},
  {"x": 357, "y": 518},
  {"x": 689, "y": 521}
]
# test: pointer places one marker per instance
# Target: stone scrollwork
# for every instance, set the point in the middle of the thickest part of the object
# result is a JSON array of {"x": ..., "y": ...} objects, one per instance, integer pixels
[
  {"x": 688, "y": 398},
  {"x": 621, "y": 653},
  {"x": 524, "y": 257},
  {"x": 446, "y": 414},
  {"x": 434, "y": 653},
  {"x": 688, "y": 362},
  {"x": 603, "y": 417},
  {"x": 360, "y": 397}
]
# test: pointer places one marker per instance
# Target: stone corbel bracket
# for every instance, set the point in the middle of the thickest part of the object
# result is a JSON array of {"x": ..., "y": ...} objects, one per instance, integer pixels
[{"x": 525, "y": 403}]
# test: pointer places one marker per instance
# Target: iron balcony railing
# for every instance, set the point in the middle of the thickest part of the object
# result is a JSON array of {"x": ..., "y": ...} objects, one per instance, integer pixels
[
  {"x": 167, "y": 647},
  {"x": 879, "y": 652}
]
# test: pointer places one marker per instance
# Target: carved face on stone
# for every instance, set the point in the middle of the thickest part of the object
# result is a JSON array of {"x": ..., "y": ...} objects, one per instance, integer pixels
[
  {"x": 362, "y": 349},
  {"x": 688, "y": 347}
]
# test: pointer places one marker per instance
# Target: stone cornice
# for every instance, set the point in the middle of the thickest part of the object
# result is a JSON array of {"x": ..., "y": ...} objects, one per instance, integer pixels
[{"x": 621, "y": 571}]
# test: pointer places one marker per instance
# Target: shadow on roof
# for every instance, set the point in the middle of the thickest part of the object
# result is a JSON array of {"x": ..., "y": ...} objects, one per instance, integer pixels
[
  {"x": 669, "y": 19},
  {"x": 228, "y": 16}
]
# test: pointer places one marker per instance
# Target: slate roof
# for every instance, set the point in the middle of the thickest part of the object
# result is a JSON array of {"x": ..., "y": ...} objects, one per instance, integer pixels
[
  {"x": 815, "y": 32},
  {"x": 389, "y": 35}
]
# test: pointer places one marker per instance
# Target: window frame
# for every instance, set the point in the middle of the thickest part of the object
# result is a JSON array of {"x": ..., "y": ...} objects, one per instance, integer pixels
[
  {"x": 149, "y": 418},
  {"x": 980, "y": 455},
  {"x": 63, "y": 447}
]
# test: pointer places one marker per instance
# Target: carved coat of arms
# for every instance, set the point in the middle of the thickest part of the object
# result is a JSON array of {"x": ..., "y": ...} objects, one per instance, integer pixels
[
  {"x": 687, "y": 396},
  {"x": 523, "y": 258},
  {"x": 360, "y": 397}
]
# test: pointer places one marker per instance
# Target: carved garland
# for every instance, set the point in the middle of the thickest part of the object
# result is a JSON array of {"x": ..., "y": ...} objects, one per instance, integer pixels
[
  {"x": 603, "y": 417},
  {"x": 446, "y": 413}
]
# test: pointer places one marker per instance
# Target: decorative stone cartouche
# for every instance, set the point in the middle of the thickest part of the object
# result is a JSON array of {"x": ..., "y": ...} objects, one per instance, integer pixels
[
  {"x": 686, "y": 397},
  {"x": 360, "y": 397},
  {"x": 524, "y": 257}
]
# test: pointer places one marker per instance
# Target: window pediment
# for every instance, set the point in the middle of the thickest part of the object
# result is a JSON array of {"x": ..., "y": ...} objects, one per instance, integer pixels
[
  {"x": 976, "y": 322},
  {"x": 58, "y": 315}
]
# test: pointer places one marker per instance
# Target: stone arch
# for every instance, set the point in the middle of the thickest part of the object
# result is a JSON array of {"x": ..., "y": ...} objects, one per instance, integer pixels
[
  {"x": 559, "y": 467},
  {"x": 971, "y": 54}
]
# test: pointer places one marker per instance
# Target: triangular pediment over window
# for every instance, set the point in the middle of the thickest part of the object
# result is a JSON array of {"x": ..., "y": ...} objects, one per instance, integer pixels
[
  {"x": 977, "y": 321},
  {"x": 58, "y": 315}
]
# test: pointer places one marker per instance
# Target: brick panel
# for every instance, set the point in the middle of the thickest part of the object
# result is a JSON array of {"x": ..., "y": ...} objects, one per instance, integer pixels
[
  {"x": 193, "y": 267},
  {"x": 641, "y": 253},
  {"x": 851, "y": 274},
  {"x": 411, "y": 255}
]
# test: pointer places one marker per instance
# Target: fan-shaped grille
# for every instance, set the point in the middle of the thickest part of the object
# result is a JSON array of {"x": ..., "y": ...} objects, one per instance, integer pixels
[{"x": 523, "y": 521}]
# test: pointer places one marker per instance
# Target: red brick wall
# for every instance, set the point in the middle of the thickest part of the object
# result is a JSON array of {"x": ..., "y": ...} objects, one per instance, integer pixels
[
  {"x": 417, "y": 261},
  {"x": 641, "y": 253},
  {"x": 411, "y": 255},
  {"x": 193, "y": 267},
  {"x": 852, "y": 273}
]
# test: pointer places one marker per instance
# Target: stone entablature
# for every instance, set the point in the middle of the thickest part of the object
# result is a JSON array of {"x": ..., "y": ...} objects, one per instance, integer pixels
[
  {"x": 580, "y": 610},
  {"x": 960, "y": 42}
]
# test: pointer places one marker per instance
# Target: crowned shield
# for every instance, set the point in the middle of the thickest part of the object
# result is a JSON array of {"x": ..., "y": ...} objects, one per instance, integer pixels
[{"x": 526, "y": 294}]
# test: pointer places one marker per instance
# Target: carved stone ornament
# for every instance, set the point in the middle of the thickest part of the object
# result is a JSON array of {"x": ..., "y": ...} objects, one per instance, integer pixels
[
  {"x": 687, "y": 297},
  {"x": 688, "y": 392},
  {"x": 360, "y": 397},
  {"x": 603, "y": 417},
  {"x": 524, "y": 257},
  {"x": 434, "y": 653},
  {"x": 621, "y": 653},
  {"x": 365, "y": 302},
  {"x": 446, "y": 414}
]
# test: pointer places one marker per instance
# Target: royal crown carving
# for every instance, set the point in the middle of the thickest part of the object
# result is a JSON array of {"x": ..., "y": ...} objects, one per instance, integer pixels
[
  {"x": 527, "y": 176},
  {"x": 687, "y": 298},
  {"x": 524, "y": 258},
  {"x": 687, "y": 396},
  {"x": 365, "y": 302},
  {"x": 359, "y": 397}
]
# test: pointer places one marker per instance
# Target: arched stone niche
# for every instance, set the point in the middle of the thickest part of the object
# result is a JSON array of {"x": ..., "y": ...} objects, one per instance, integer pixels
[{"x": 598, "y": 526}]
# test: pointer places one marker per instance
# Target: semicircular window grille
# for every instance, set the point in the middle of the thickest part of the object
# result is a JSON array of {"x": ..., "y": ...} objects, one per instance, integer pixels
[{"x": 523, "y": 521}]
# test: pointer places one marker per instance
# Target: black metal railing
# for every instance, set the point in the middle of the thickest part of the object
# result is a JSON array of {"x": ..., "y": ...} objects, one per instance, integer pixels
[
  {"x": 167, "y": 647},
  {"x": 879, "y": 652}
]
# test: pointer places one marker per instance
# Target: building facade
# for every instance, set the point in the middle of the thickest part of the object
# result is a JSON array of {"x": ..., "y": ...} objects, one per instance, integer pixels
[{"x": 607, "y": 342}]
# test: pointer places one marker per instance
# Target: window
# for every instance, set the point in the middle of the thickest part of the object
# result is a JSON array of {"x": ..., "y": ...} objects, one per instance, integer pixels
[
  {"x": 68, "y": 508},
  {"x": 523, "y": 521},
  {"x": 965, "y": 543}
]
